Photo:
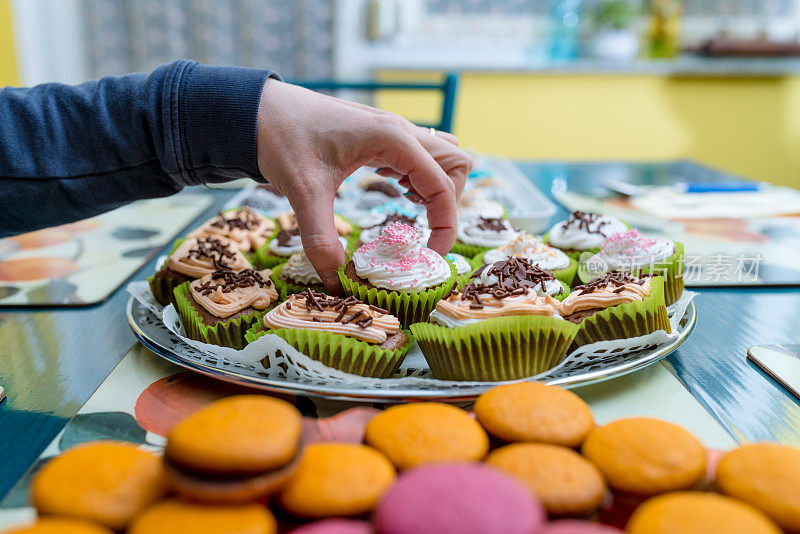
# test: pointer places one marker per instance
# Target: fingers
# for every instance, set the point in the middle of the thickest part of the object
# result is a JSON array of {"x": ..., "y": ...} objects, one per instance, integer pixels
[
  {"x": 321, "y": 243},
  {"x": 404, "y": 154}
]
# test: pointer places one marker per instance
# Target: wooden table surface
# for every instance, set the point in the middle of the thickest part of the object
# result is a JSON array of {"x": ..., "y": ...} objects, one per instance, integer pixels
[{"x": 51, "y": 361}]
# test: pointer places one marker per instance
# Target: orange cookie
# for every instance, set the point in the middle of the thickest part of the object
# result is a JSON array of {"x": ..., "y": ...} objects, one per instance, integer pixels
[
  {"x": 646, "y": 456},
  {"x": 337, "y": 479},
  {"x": 766, "y": 475},
  {"x": 171, "y": 517},
  {"x": 696, "y": 512},
  {"x": 531, "y": 411},
  {"x": 239, "y": 435},
  {"x": 107, "y": 482},
  {"x": 566, "y": 482},
  {"x": 426, "y": 432},
  {"x": 60, "y": 525}
]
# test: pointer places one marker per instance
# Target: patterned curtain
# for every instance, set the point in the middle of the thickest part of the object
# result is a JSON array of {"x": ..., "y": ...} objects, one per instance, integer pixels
[{"x": 293, "y": 37}]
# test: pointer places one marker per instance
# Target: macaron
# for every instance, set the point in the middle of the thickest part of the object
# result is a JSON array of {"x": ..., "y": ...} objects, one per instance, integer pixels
[
  {"x": 337, "y": 480},
  {"x": 172, "y": 516},
  {"x": 766, "y": 475},
  {"x": 335, "y": 526},
  {"x": 106, "y": 482},
  {"x": 458, "y": 498},
  {"x": 60, "y": 525},
  {"x": 576, "y": 526},
  {"x": 234, "y": 450},
  {"x": 426, "y": 432},
  {"x": 565, "y": 482},
  {"x": 532, "y": 411},
  {"x": 696, "y": 512},
  {"x": 645, "y": 456}
]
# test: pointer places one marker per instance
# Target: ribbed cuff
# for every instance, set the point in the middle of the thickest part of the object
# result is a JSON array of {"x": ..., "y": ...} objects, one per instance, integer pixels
[{"x": 217, "y": 110}]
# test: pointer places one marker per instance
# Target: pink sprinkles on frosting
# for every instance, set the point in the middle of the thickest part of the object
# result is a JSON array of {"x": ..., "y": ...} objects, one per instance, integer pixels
[
  {"x": 632, "y": 241},
  {"x": 401, "y": 234}
]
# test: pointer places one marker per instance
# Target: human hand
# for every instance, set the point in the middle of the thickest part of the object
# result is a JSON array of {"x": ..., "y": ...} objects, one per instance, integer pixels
[{"x": 308, "y": 143}]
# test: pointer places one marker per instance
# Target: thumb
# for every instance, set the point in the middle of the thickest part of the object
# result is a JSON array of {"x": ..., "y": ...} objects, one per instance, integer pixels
[{"x": 321, "y": 243}]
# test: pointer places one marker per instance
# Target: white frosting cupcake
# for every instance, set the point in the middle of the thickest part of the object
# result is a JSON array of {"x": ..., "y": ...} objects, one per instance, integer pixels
[
  {"x": 460, "y": 262},
  {"x": 584, "y": 231},
  {"x": 520, "y": 269},
  {"x": 399, "y": 261},
  {"x": 300, "y": 270},
  {"x": 627, "y": 250},
  {"x": 371, "y": 233},
  {"x": 485, "y": 231},
  {"x": 532, "y": 249},
  {"x": 289, "y": 242}
]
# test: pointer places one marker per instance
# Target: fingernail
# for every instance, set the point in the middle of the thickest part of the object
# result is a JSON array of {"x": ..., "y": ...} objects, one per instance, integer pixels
[
  {"x": 379, "y": 170},
  {"x": 414, "y": 197},
  {"x": 332, "y": 283}
]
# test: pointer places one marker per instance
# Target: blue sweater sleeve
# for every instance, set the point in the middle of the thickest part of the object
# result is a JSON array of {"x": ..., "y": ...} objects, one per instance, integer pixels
[{"x": 71, "y": 152}]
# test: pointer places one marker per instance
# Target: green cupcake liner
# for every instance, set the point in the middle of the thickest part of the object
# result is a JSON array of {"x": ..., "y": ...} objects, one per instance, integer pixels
[
  {"x": 505, "y": 348},
  {"x": 339, "y": 351},
  {"x": 230, "y": 333},
  {"x": 162, "y": 286},
  {"x": 468, "y": 251},
  {"x": 631, "y": 319},
  {"x": 407, "y": 307},
  {"x": 286, "y": 288},
  {"x": 672, "y": 271}
]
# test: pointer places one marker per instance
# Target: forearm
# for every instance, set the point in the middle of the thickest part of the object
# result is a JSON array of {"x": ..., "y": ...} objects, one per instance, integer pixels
[{"x": 70, "y": 152}]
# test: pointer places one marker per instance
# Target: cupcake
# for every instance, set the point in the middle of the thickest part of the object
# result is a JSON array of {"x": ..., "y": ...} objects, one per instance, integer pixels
[
  {"x": 493, "y": 332},
  {"x": 632, "y": 252},
  {"x": 343, "y": 333},
  {"x": 370, "y": 231},
  {"x": 532, "y": 249},
  {"x": 479, "y": 234},
  {"x": 616, "y": 305},
  {"x": 194, "y": 258},
  {"x": 243, "y": 227},
  {"x": 297, "y": 275},
  {"x": 583, "y": 232},
  {"x": 221, "y": 306},
  {"x": 397, "y": 272},
  {"x": 476, "y": 203},
  {"x": 375, "y": 183},
  {"x": 520, "y": 271},
  {"x": 463, "y": 268},
  {"x": 288, "y": 242}
]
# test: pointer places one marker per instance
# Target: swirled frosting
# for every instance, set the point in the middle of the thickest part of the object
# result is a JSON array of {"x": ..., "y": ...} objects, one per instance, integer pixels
[
  {"x": 460, "y": 262},
  {"x": 514, "y": 272},
  {"x": 371, "y": 233},
  {"x": 224, "y": 292},
  {"x": 196, "y": 257},
  {"x": 347, "y": 316},
  {"x": 584, "y": 231},
  {"x": 289, "y": 243},
  {"x": 243, "y": 227},
  {"x": 475, "y": 203},
  {"x": 300, "y": 270},
  {"x": 626, "y": 250},
  {"x": 398, "y": 260},
  {"x": 532, "y": 249},
  {"x": 479, "y": 302},
  {"x": 485, "y": 231},
  {"x": 606, "y": 291}
]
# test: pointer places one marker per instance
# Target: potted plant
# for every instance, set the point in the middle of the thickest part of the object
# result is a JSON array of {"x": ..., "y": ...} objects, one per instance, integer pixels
[{"x": 613, "y": 34}]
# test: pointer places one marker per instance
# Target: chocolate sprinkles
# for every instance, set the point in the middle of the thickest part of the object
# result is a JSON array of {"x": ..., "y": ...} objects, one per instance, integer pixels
[
  {"x": 514, "y": 273},
  {"x": 321, "y": 302},
  {"x": 584, "y": 220},
  {"x": 615, "y": 279},
  {"x": 228, "y": 280}
]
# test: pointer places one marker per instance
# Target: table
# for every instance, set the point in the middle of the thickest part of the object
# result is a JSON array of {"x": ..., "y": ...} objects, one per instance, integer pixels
[{"x": 53, "y": 360}]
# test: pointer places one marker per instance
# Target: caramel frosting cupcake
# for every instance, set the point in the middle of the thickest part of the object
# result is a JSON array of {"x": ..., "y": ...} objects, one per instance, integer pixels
[
  {"x": 523, "y": 273},
  {"x": 584, "y": 231},
  {"x": 194, "y": 258},
  {"x": 220, "y": 307},
  {"x": 343, "y": 333},
  {"x": 532, "y": 249},
  {"x": 610, "y": 290},
  {"x": 616, "y": 305},
  {"x": 371, "y": 232},
  {"x": 242, "y": 226},
  {"x": 479, "y": 302}
]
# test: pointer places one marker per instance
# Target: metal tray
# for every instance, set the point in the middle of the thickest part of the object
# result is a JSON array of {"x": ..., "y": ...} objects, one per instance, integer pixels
[{"x": 155, "y": 336}]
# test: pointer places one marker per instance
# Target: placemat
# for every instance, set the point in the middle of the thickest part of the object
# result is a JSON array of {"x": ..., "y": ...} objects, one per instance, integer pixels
[{"x": 82, "y": 263}]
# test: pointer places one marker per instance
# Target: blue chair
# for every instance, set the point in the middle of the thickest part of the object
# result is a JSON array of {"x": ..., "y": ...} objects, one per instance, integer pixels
[{"x": 448, "y": 88}]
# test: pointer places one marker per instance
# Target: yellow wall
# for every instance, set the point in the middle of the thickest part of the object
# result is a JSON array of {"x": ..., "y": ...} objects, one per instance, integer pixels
[
  {"x": 749, "y": 126},
  {"x": 8, "y": 59}
]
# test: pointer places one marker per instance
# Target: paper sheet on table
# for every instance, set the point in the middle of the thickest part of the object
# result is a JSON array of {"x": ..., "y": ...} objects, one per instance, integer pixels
[{"x": 769, "y": 202}]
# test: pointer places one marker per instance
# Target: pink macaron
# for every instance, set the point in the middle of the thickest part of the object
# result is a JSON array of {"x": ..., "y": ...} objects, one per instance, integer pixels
[
  {"x": 458, "y": 499},
  {"x": 335, "y": 526},
  {"x": 574, "y": 526}
]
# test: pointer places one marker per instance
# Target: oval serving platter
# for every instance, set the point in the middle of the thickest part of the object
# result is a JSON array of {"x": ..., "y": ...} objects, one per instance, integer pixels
[{"x": 155, "y": 336}]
